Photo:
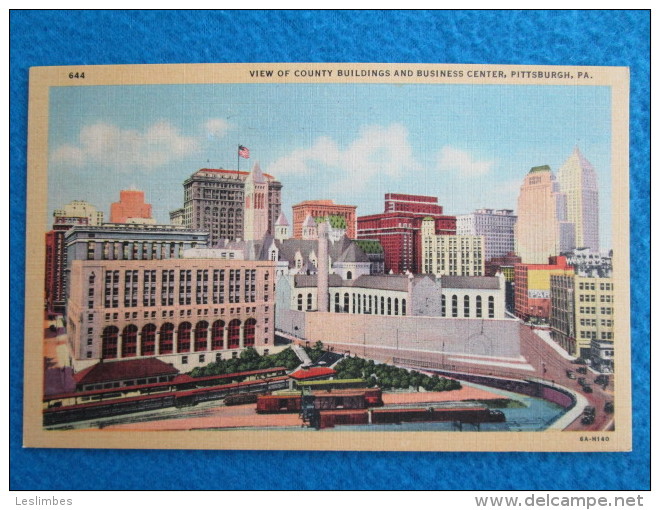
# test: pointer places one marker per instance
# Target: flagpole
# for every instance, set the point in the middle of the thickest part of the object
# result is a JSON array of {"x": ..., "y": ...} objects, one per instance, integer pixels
[{"x": 238, "y": 159}]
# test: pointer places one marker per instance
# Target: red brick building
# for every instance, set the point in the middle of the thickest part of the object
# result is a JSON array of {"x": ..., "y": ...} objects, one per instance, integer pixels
[
  {"x": 399, "y": 229},
  {"x": 131, "y": 207},
  {"x": 55, "y": 283},
  {"x": 322, "y": 209}
]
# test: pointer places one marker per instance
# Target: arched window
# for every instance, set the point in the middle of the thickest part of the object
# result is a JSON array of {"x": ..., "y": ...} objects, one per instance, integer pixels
[
  {"x": 403, "y": 307},
  {"x": 167, "y": 338},
  {"x": 148, "y": 340},
  {"x": 234, "y": 334},
  {"x": 347, "y": 303},
  {"x": 443, "y": 310},
  {"x": 466, "y": 306},
  {"x": 389, "y": 306},
  {"x": 109, "y": 342},
  {"x": 396, "y": 306},
  {"x": 337, "y": 307},
  {"x": 479, "y": 307},
  {"x": 300, "y": 302},
  {"x": 201, "y": 330},
  {"x": 217, "y": 335},
  {"x": 129, "y": 341},
  {"x": 248, "y": 332},
  {"x": 349, "y": 275},
  {"x": 454, "y": 306},
  {"x": 491, "y": 307},
  {"x": 309, "y": 301},
  {"x": 183, "y": 337},
  {"x": 359, "y": 310},
  {"x": 369, "y": 310},
  {"x": 382, "y": 305}
]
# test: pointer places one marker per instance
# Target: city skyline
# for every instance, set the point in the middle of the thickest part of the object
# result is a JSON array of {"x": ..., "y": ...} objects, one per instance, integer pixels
[{"x": 469, "y": 146}]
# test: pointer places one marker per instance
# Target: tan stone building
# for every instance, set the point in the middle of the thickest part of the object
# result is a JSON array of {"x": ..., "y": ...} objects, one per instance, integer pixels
[
  {"x": 187, "y": 312},
  {"x": 454, "y": 255},
  {"x": 582, "y": 312}
]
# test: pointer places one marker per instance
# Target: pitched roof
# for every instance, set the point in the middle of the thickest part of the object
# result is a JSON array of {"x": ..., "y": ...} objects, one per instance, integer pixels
[
  {"x": 282, "y": 221},
  {"x": 309, "y": 221},
  {"x": 353, "y": 254},
  {"x": 106, "y": 371},
  {"x": 308, "y": 373}
]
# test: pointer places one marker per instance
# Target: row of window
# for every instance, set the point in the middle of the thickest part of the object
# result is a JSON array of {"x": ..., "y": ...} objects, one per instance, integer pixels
[
  {"x": 242, "y": 287},
  {"x": 467, "y": 308}
]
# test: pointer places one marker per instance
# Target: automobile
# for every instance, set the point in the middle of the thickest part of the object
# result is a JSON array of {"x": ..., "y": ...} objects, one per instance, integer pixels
[
  {"x": 570, "y": 374},
  {"x": 602, "y": 379},
  {"x": 589, "y": 410},
  {"x": 588, "y": 419},
  {"x": 609, "y": 407},
  {"x": 582, "y": 370},
  {"x": 582, "y": 381},
  {"x": 52, "y": 328},
  {"x": 587, "y": 389}
]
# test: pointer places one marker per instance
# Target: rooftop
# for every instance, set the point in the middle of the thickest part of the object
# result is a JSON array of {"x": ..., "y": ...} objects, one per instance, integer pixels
[{"x": 106, "y": 371}]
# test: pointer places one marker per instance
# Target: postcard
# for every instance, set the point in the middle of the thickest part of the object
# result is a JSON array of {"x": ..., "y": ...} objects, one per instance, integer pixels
[{"x": 319, "y": 256}]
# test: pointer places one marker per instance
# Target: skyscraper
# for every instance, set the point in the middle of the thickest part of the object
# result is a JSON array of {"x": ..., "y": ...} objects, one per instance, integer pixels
[
  {"x": 542, "y": 230},
  {"x": 214, "y": 201},
  {"x": 496, "y": 226},
  {"x": 578, "y": 181}
]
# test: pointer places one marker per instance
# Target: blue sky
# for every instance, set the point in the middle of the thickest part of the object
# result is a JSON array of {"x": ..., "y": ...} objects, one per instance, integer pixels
[{"x": 470, "y": 146}]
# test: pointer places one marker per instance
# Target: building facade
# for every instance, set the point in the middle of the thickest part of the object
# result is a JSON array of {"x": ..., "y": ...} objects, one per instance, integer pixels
[
  {"x": 542, "y": 229},
  {"x": 579, "y": 182},
  {"x": 56, "y": 262},
  {"x": 582, "y": 313},
  {"x": 496, "y": 226},
  {"x": 400, "y": 295},
  {"x": 399, "y": 229},
  {"x": 324, "y": 209},
  {"x": 80, "y": 209},
  {"x": 131, "y": 208},
  {"x": 456, "y": 255},
  {"x": 532, "y": 288},
  {"x": 214, "y": 201},
  {"x": 187, "y": 312}
]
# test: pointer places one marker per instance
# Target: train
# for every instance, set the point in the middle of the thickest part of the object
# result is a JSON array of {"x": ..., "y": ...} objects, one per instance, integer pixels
[
  {"x": 181, "y": 392},
  {"x": 323, "y": 400}
]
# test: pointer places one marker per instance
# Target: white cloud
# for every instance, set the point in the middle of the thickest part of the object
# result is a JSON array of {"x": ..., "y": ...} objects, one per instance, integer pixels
[
  {"x": 456, "y": 160},
  {"x": 216, "y": 128},
  {"x": 377, "y": 150},
  {"x": 126, "y": 149}
]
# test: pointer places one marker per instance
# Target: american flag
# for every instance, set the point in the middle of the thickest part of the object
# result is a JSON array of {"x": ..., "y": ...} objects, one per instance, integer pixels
[{"x": 243, "y": 152}]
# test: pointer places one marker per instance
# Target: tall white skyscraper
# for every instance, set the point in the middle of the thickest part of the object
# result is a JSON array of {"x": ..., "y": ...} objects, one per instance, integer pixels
[{"x": 579, "y": 182}]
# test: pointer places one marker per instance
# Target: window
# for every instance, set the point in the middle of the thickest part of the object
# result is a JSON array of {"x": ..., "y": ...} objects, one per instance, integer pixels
[
  {"x": 466, "y": 306},
  {"x": 454, "y": 306},
  {"x": 491, "y": 307},
  {"x": 184, "y": 360}
]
